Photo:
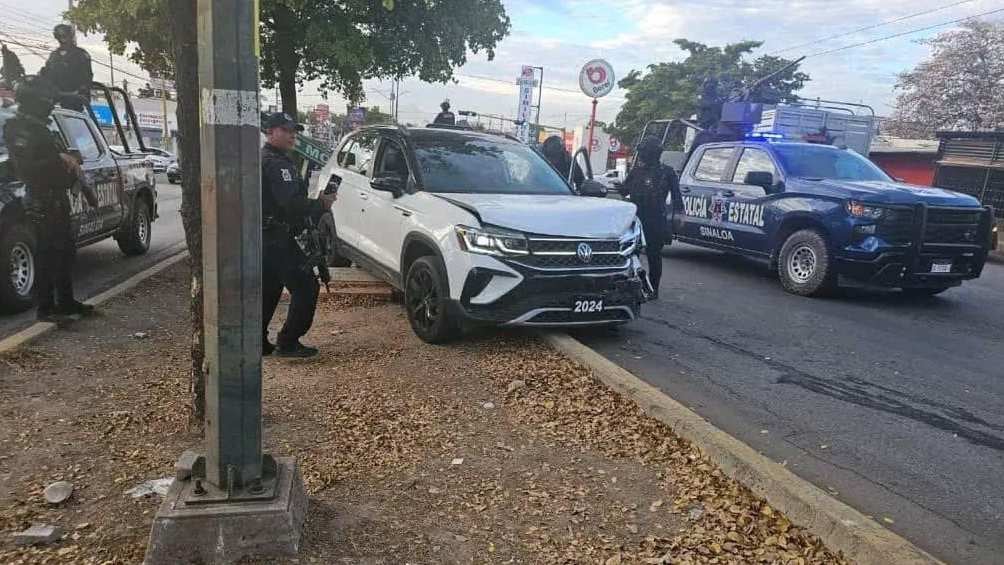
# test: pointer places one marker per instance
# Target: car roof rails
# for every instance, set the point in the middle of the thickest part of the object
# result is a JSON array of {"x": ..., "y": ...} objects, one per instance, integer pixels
[{"x": 449, "y": 126}]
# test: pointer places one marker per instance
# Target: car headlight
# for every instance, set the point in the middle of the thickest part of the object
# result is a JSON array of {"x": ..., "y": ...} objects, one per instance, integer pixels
[
  {"x": 631, "y": 238},
  {"x": 861, "y": 210},
  {"x": 492, "y": 241}
]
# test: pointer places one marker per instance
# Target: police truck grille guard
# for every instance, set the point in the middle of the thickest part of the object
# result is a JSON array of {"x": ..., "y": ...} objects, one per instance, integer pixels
[{"x": 929, "y": 234}]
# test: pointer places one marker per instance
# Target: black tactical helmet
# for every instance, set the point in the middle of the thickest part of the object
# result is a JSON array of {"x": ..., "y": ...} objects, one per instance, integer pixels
[
  {"x": 650, "y": 150},
  {"x": 35, "y": 96},
  {"x": 63, "y": 33},
  {"x": 445, "y": 105}
]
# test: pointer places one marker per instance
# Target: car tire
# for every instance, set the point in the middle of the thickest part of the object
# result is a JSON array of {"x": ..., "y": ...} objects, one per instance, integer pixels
[
  {"x": 924, "y": 292},
  {"x": 426, "y": 301},
  {"x": 17, "y": 245},
  {"x": 334, "y": 258},
  {"x": 804, "y": 264},
  {"x": 136, "y": 239}
]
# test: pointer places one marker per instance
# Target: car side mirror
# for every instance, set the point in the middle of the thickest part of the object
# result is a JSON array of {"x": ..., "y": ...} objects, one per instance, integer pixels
[
  {"x": 592, "y": 188},
  {"x": 75, "y": 153},
  {"x": 393, "y": 184},
  {"x": 763, "y": 179}
]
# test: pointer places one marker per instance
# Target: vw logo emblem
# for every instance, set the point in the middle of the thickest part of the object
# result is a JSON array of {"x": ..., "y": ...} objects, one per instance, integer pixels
[{"x": 585, "y": 252}]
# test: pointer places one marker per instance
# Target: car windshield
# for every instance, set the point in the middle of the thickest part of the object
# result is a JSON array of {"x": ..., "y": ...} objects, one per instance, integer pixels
[
  {"x": 826, "y": 162},
  {"x": 468, "y": 164}
]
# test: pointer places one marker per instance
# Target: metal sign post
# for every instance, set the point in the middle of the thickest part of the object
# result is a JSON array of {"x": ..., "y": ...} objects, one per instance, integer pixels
[{"x": 233, "y": 501}]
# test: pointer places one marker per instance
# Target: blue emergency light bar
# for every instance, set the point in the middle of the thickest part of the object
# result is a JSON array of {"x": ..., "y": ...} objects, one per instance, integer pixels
[{"x": 764, "y": 136}]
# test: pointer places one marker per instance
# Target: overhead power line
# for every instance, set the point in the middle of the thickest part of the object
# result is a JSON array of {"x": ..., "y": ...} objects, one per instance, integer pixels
[
  {"x": 901, "y": 34},
  {"x": 872, "y": 26}
]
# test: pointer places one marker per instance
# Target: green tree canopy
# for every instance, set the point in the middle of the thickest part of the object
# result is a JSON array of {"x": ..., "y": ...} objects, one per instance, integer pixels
[{"x": 714, "y": 74}]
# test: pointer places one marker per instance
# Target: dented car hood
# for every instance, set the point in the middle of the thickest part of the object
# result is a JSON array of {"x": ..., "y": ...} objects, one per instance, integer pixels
[{"x": 555, "y": 215}]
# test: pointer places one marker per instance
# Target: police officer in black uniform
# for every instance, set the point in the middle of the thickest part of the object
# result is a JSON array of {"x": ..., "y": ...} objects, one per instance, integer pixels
[
  {"x": 554, "y": 151},
  {"x": 647, "y": 185},
  {"x": 69, "y": 69},
  {"x": 48, "y": 171},
  {"x": 445, "y": 117},
  {"x": 285, "y": 208}
]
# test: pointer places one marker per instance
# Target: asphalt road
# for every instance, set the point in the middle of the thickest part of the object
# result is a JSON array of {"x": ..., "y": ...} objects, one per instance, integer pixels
[
  {"x": 895, "y": 406},
  {"x": 102, "y": 266}
]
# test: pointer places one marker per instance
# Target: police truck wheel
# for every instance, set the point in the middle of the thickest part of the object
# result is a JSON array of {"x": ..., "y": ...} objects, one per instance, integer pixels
[
  {"x": 17, "y": 253},
  {"x": 804, "y": 264},
  {"x": 426, "y": 300},
  {"x": 136, "y": 240}
]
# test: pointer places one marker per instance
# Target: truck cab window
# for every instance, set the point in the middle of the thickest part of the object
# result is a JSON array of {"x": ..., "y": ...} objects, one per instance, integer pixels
[
  {"x": 753, "y": 160},
  {"x": 80, "y": 137},
  {"x": 713, "y": 163}
]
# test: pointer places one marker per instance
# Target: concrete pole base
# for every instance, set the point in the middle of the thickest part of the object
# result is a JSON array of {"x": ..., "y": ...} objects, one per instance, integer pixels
[{"x": 221, "y": 533}]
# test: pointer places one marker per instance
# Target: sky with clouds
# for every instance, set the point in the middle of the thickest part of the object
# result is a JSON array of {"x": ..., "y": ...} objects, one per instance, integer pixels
[{"x": 561, "y": 35}]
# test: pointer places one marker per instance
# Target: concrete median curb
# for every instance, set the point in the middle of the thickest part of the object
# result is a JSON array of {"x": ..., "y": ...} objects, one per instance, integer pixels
[
  {"x": 37, "y": 329},
  {"x": 841, "y": 527}
]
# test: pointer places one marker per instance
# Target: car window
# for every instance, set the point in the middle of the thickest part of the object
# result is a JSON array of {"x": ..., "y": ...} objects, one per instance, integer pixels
[
  {"x": 753, "y": 160},
  {"x": 361, "y": 149},
  {"x": 80, "y": 137},
  {"x": 713, "y": 163},
  {"x": 463, "y": 164},
  {"x": 392, "y": 160}
]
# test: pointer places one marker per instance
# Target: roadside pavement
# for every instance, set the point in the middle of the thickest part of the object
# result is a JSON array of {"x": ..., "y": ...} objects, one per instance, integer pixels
[{"x": 494, "y": 450}]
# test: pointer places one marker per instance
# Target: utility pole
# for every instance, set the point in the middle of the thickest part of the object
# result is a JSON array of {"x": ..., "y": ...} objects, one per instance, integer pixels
[
  {"x": 111, "y": 65},
  {"x": 233, "y": 501},
  {"x": 163, "y": 101}
]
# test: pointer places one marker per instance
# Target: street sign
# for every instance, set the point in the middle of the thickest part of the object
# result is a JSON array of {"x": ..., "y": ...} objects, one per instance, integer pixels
[
  {"x": 615, "y": 144},
  {"x": 597, "y": 78}
]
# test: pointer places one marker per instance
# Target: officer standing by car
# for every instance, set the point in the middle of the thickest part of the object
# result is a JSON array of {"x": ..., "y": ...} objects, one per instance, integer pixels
[
  {"x": 446, "y": 117},
  {"x": 48, "y": 172},
  {"x": 285, "y": 209},
  {"x": 69, "y": 69},
  {"x": 554, "y": 151},
  {"x": 647, "y": 186}
]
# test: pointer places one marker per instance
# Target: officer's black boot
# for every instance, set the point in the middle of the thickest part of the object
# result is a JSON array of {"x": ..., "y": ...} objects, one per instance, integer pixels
[{"x": 295, "y": 350}]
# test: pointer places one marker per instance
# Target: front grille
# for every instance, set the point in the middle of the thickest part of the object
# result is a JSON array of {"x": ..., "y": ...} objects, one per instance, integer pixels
[
  {"x": 563, "y": 253},
  {"x": 573, "y": 262},
  {"x": 896, "y": 226},
  {"x": 948, "y": 226},
  {"x": 566, "y": 317}
]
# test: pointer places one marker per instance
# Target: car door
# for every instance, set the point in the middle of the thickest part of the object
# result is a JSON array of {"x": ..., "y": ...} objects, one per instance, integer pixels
[
  {"x": 704, "y": 191},
  {"x": 382, "y": 237},
  {"x": 746, "y": 208},
  {"x": 100, "y": 173},
  {"x": 355, "y": 159}
]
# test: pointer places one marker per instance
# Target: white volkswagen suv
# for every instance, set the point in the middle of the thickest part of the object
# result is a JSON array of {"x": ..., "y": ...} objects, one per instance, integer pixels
[{"x": 476, "y": 228}]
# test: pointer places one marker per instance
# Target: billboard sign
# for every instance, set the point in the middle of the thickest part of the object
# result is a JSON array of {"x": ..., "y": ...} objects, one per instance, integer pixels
[{"x": 597, "y": 78}]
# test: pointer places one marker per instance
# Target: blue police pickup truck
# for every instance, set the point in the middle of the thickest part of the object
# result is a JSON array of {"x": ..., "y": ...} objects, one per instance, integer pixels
[{"x": 823, "y": 216}]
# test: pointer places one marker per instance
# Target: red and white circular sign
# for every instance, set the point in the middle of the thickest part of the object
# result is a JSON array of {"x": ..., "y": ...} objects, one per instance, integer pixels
[
  {"x": 615, "y": 145},
  {"x": 597, "y": 78}
]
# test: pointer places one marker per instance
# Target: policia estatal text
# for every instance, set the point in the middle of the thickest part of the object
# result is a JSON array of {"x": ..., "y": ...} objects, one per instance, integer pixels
[{"x": 285, "y": 209}]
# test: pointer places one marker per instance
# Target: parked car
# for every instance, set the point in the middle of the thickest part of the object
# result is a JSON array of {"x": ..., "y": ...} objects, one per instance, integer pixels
[
  {"x": 479, "y": 229},
  {"x": 823, "y": 216},
  {"x": 127, "y": 195},
  {"x": 174, "y": 173},
  {"x": 612, "y": 180}
]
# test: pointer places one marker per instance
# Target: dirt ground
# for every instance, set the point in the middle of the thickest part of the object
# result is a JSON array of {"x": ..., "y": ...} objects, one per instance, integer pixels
[{"x": 493, "y": 450}]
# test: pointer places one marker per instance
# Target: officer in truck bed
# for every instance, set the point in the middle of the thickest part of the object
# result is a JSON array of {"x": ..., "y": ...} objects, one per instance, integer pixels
[{"x": 285, "y": 207}]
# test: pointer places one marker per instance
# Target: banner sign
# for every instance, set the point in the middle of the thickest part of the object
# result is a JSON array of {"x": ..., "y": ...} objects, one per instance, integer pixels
[{"x": 526, "y": 83}]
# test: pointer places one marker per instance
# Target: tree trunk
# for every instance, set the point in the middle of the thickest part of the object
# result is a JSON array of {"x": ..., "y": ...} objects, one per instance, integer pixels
[
  {"x": 286, "y": 57},
  {"x": 184, "y": 30}
]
